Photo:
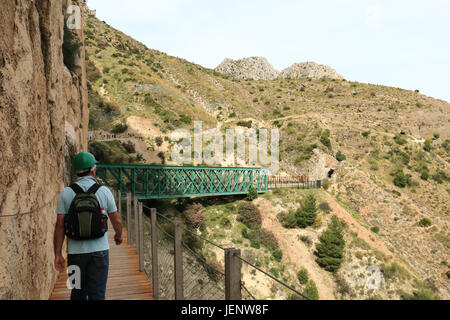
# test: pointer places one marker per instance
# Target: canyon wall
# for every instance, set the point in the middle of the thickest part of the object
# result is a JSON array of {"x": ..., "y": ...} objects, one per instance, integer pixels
[{"x": 43, "y": 121}]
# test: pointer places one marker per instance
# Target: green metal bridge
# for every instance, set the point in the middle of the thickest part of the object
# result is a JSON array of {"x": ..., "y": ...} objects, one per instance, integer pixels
[{"x": 156, "y": 182}]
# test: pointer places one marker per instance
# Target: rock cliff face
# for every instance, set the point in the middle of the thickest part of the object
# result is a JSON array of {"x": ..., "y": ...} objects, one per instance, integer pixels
[
  {"x": 258, "y": 68},
  {"x": 43, "y": 120}
]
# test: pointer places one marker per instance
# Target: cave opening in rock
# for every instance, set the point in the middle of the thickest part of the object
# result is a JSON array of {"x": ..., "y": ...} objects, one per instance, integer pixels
[{"x": 330, "y": 173}]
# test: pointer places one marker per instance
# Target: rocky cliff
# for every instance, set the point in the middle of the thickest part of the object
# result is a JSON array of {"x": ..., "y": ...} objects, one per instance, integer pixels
[
  {"x": 256, "y": 68},
  {"x": 259, "y": 68},
  {"x": 44, "y": 119},
  {"x": 309, "y": 69}
]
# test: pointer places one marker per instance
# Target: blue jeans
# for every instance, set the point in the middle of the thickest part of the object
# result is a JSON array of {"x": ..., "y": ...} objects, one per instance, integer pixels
[{"x": 94, "y": 275}]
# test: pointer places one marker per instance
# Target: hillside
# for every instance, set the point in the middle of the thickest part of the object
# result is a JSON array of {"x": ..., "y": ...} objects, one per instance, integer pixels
[{"x": 396, "y": 143}]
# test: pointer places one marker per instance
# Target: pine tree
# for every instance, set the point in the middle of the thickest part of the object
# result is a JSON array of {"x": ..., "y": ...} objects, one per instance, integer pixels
[
  {"x": 306, "y": 214},
  {"x": 330, "y": 250}
]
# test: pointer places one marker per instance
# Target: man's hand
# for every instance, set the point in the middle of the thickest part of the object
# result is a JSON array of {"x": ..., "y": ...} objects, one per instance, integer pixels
[
  {"x": 60, "y": 263},
  {"x": 118, "y": 239}
]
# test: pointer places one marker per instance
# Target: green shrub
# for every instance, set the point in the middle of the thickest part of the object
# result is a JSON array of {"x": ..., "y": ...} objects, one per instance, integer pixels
[
  {"x": 306, "y": 240},
  {"x": 252, "y": 194},
  {"x": 263, "y": 236},
  {"x": 268, "y": 239},
  {"x": 400, "y": 180},
  {"x": 340, "y": 156},
  {"x": 365, "y": 134},
  {"x": 375, "y": 229},
  {"x": 425, "y": 222},
  {"x": 274, "y": 272},
  {"x": 330, "y": 249},
  {"x": 422, "y": 294},
  {"x": 440, "y": 177},
  {"x": 400, "y": 140},
  {"x": 255, "y": 244},
  {"x": 249, "y": 215},
  {"x": 425, "y": 175},
  {"x": 326, "y": 183},
  {"x": 277, "y": 255},
  {"x": 119, "y": 128},
  {"x": 185, "y": 119},
  {"x": 302, "y": 276},
  {"x": 290, "y": 221},
  {"x": 446, "y": 145},
  {"x": 325, "y": 207},
  {"x": 225, "y": 222},
  {"x": 306, "y": 214},
  {"x": 159, "y": 141},
  {"x": 247, "y": 124},
  {"x": 325, "y": 139},
  {"x": 427, "y": 146},
  {"x": 311, "y": 290}
]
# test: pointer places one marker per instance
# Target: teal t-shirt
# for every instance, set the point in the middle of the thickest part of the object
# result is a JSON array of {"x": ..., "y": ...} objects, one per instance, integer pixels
[{"x": 106, "y": 200}]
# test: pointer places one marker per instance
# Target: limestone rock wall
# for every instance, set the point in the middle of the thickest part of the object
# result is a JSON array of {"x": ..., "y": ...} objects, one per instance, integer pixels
[{"x": 43, "y": 120}]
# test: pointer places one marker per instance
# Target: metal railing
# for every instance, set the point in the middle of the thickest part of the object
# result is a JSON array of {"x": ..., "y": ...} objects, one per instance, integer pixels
[
  {"x": 301, "y": 182},
  {"x": 172, "y": 257}
]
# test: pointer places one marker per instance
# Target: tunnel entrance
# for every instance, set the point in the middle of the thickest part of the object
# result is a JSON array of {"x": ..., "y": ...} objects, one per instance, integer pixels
[{"x": 330, "y": 173}]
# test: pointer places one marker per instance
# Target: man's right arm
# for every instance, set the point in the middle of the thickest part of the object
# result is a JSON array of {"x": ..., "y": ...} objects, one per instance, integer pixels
[
  {"x": 58, "y": 240},
  {"x": 116, "y": 221}
]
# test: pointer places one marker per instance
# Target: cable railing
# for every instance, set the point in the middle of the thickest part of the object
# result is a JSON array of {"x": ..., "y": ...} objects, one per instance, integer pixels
[{"x": 179, "y": 263}]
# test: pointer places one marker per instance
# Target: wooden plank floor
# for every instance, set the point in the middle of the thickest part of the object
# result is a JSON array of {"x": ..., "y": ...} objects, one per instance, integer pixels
[{"x": 125, "y": 282}]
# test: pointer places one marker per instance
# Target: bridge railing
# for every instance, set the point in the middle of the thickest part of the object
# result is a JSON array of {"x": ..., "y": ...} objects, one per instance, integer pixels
[
  {"x": 153, "y": 182},
  {"x": 301, "y": 182},
  {"x": 171, "y": 254}
]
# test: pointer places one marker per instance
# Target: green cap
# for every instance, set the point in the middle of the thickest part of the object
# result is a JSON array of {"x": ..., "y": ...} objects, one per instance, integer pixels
[{"x": 84, "y": 160}]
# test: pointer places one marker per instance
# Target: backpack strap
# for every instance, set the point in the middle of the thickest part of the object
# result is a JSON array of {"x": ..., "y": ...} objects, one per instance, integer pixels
[
  {"x": 76, "y": 188},
  {"x": 94, "y": 188}
]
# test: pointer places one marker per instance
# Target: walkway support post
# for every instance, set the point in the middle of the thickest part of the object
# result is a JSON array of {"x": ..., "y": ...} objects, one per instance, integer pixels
[
  {"x": 155, "y": 278},
  {"x": 136, "y": 223},
  {"x": 178, "y": 260},
  {"x": 129, "y": 217},
  {"x": 141, "y": 238},
  {"x": 233, "y": 274}
]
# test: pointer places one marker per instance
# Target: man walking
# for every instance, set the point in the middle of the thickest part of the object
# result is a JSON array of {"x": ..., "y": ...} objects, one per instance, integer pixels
[{"x": 81, "y": 216}]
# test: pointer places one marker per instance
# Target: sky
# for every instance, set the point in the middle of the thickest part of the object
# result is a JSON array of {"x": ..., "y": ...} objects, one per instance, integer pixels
[{"x": 401, "y": 43}]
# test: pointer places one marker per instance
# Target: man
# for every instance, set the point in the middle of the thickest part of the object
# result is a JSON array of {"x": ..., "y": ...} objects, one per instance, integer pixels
[{"x": 91, "y": 256}]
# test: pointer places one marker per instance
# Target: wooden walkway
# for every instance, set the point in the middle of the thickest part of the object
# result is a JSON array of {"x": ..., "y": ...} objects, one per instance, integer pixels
[{"x": 125, "y": 282}]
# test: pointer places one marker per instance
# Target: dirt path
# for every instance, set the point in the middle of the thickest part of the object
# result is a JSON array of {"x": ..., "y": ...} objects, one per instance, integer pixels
[
  {"x": 361, "y": 232},
  {"x": 296, "y": 251}
]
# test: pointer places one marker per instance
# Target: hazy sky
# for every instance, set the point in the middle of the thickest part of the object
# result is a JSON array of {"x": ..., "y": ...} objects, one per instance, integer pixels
[{"x": 401, "y": 43}]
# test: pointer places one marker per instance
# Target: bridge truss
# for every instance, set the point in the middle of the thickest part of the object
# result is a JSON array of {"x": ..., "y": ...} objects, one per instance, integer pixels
[{"x": 155, "y": 182}]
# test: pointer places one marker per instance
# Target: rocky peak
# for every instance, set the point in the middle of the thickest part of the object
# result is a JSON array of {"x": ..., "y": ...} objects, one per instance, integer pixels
[
  {"x": 256, "y": 68},
  {"x": 310, "y": 69},
  {"x": 259, "y": 68}
]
